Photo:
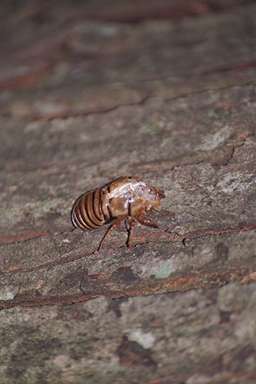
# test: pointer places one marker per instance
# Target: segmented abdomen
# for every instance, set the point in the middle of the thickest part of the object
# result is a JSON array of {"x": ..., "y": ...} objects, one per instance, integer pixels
[{"x": 89, "y": 210}]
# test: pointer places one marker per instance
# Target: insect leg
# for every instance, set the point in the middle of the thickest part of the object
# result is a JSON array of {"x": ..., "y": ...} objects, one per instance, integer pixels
[
  {"x": 147, "y": 222},
  {"x": 114, "y": 224},
  {"x": 129, "y": 224}
]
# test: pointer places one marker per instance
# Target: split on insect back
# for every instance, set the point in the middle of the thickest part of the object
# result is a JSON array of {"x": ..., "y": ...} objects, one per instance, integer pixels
[{"x": 127, "y": 199}]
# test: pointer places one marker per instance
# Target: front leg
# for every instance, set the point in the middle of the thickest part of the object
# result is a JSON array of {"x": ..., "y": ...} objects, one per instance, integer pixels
[
  {"x": 146, "y": 221},
  {"x": 129, "y": 224}
]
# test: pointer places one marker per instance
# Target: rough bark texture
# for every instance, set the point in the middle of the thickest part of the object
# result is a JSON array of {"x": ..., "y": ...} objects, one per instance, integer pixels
[{"x": 84, "y": 99}]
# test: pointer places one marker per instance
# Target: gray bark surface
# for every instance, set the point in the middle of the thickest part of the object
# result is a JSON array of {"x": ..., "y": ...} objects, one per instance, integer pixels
[{"x": 171, "y": 100}]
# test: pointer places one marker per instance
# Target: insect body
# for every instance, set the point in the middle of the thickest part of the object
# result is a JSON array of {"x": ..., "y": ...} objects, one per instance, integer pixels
[{"x": 124, "y": 199}]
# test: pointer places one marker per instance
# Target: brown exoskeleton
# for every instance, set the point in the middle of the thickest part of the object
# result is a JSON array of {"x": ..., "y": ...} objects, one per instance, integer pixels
[{"x": 127, "y": 198}]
